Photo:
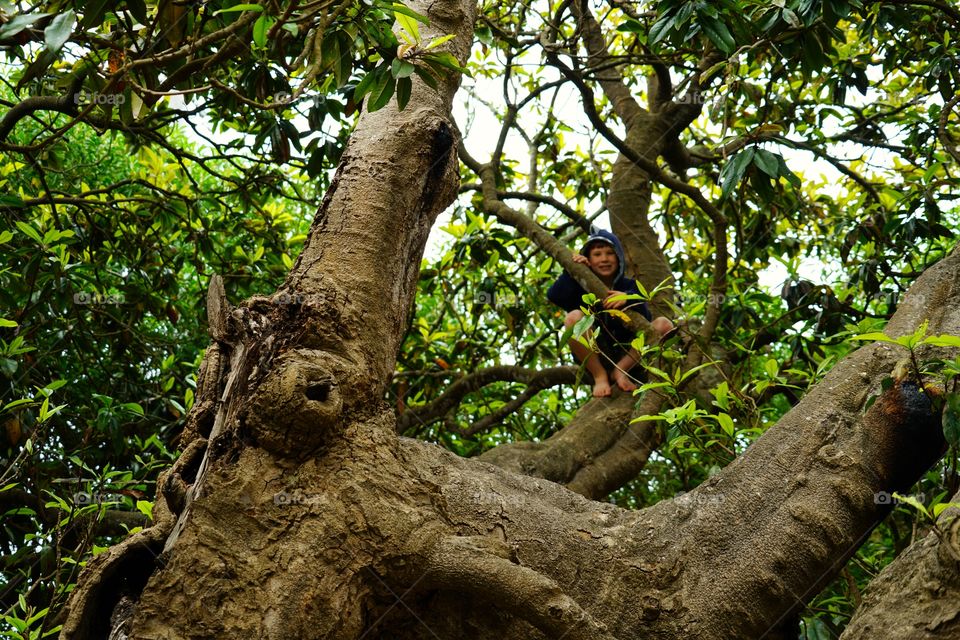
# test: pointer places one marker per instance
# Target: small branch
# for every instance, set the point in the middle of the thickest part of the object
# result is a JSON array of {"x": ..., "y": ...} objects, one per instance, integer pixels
[
  {"x": 839, "y": 166},
  {"x": 456, "y": 392},
  {"x": 649, "y": 166},
  {"x": 66, "y": 104},
  {"x": 507, "y": 409},
  {"x": 946, "y": 9},
  {"x": 664, "y": 88},
  {"x": 945, "y": 138},
  {"x": 581, "y": 221}
]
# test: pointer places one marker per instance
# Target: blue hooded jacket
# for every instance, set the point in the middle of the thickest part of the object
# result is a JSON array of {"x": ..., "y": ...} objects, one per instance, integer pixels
[{"x": 567, "y": 293}]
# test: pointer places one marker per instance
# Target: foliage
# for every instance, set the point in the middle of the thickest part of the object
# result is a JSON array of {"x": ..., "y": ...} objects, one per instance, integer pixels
[
  {"x": 823, "y": 136},
  {"x": 106, "y": 260}
]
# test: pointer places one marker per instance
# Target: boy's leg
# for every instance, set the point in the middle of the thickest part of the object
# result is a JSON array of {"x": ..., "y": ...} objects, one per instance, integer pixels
[
  {"x": 622, "y": 369},
  {"x": 601, "y": 383}
]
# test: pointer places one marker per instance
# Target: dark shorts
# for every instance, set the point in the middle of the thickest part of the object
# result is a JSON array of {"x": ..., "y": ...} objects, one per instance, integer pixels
[{"x": 611, "y": 351}]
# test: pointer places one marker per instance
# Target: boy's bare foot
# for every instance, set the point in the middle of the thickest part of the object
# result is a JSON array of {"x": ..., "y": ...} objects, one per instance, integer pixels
[
  {"x": 601, "y": 387},
  {"x": 623, "y": 381}
]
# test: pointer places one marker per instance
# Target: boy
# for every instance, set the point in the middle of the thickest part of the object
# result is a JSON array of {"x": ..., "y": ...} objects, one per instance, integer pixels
[{"x": 604, "y": 255}]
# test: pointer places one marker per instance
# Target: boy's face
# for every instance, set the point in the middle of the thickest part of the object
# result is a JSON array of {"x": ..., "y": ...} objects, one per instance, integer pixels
[{"x": 603, "y": 260}]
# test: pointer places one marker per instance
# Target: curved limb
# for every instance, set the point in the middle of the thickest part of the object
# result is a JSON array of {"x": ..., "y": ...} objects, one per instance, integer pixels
[{"x": 482, "y": 567}]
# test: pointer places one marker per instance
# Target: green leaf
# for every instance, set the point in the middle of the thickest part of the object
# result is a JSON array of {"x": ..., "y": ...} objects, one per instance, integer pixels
[
  {"x": 718, "y": 33},
  {"x": 29, "y": 231},
  {"x": 940, "y": 507},
  {"x": 785, "y": 171},
  {"x": 436, "y": 42},
  {"x": 404, "y": 88},
  {"x": 260, "y": 29},
  {"x": 915, "y": 338},
  {"x": 691, "y": 372},
  {"x": 133, "y": 407},
  {"x": 771, "y": 367},
  {"x": 943, "y": 340},
  {"x": 791, "y": 18},
  {"x": 401, "y": 68},
  {"x": 19, "y": 23},
  {"x": 661, "y": 28},
  {"x": 428, "y": 78},
  {"x": 660, "y": 373},
  {"x": 733, "y": 171},
  {"x": 367, "y": 82},
  {"x": 767, "y": 162},
  {"x": 344, "y": 62},
  {"x": 631, "y": 26},
  {"x": 875, "y": 336},
  {"x": 913, "y": 502},
  {"x": 407, "y": 11},
  {"x": 380, "y": 95},
  {"x": 647, "y": 418},
  {"x": 726, "y": 423},
  {"x": 445, "y": 59},
  {"x": 145, "y": 507},
  {"x": 951, "y": 419},
  {"x": 722, "y": 394},
  {"x": 59, "y": 30},
  {"x": 582, "y": 326},
  {"x": 7, "y": 323},
  {"x": 16, "y": 403},
  {"x": 409, "y": 30}
]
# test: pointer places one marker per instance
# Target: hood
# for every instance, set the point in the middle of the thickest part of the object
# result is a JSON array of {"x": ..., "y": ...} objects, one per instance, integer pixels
[{"x": 602, "y": 235}]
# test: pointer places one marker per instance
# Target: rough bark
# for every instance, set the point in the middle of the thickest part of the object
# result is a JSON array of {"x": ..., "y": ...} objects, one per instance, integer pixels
[
  {"x": 917, "y": 596},
  {"x": 584, "y": 455},
  {"x": 306, "y": 516},
  {"x": 380, "y": 536},
  {"x": 287, "y": 374}
]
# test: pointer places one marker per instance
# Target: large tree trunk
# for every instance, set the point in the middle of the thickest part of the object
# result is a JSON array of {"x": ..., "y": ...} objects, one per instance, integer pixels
[{"x": 308, "y": 517}]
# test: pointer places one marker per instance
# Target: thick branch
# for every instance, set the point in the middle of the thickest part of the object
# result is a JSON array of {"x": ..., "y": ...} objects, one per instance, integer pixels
[
  {"x": 624, "y": 104},
  {"x": 480, "y": 566}
]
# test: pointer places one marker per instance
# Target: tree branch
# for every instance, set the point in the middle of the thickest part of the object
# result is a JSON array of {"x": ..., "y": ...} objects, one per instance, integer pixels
[
  {"x": 578, "y": 218},
  {"x": 624, "y": 104},
  {"x": 538, "y": 379},
  {"x": 481, "y": 566},
  {"x": 67, "y": 104}
]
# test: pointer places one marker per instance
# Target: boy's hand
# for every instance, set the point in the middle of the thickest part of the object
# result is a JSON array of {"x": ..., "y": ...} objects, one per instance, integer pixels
[
  {"x": 614, "y": 304},
  {"x": 581, "y": 259}
]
